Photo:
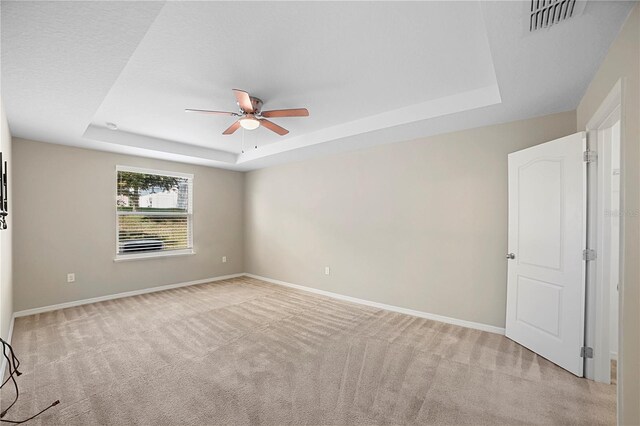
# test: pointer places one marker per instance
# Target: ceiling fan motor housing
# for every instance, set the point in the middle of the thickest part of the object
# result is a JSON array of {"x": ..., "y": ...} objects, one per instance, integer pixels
[{"x": 256, "y": 103}]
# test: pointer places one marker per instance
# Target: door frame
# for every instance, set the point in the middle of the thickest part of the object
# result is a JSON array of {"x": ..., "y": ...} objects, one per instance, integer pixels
[{"x": 597, "y": 307}]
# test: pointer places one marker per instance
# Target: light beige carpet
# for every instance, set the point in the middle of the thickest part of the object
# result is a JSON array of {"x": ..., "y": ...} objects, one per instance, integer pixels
[{"x": 247, "y": 352}]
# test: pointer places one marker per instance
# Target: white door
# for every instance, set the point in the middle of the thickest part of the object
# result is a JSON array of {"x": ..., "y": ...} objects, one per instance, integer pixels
[{"x": 547, "y": 234}]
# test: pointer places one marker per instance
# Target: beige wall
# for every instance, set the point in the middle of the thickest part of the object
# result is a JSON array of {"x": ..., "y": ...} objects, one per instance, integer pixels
[
  {"x": 6, "y": 281},
  {"x": 64, "y": 218},
  {"x": 420, "y": 224},
  {"x": 623, "y": 62}
]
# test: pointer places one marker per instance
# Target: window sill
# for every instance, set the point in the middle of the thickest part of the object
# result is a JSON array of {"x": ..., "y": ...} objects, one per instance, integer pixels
[{"x": 142, "y": 256}]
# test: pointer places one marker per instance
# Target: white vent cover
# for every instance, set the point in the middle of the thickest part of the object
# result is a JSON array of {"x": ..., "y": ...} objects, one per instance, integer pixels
[{"x": 545, "y": 13}]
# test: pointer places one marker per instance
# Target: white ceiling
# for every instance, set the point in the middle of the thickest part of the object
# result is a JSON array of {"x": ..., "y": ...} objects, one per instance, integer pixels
[{"x": 369, "y": 72}]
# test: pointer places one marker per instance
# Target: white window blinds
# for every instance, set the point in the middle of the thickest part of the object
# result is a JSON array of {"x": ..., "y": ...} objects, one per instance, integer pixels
[{"x": 154, "y": 212}]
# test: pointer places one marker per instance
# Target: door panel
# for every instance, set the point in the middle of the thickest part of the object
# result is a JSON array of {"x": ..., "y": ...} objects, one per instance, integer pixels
[
  {"x": 531, "y": 295},
  {"x": 540, "y": 230},
  {"x": 547, "y": 229}
]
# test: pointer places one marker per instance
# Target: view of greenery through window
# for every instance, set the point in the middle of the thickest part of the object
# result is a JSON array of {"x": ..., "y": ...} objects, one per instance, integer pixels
[{"x": 153, "y": 212}]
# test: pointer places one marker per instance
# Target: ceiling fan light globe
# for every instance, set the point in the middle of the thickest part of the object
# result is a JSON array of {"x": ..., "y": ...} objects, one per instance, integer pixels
[{"x": 249, "y": 123}]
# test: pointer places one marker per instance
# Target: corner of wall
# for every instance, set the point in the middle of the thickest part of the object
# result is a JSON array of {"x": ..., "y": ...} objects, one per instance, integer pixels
[
  {"x": 6, "y": 249},
  {"x": 243, "y": 239}
]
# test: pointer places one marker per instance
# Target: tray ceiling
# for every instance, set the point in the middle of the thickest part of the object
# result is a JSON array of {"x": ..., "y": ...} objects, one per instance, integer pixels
[{"x": 369, "y": 72}]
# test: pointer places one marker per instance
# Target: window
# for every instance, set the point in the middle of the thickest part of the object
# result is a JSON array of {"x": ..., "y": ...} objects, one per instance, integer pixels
[{"x": 153, "y": 212}]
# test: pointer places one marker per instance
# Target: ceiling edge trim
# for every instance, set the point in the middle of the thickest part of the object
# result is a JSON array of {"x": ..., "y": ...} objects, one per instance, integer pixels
[{"x": 135, "y": 140}]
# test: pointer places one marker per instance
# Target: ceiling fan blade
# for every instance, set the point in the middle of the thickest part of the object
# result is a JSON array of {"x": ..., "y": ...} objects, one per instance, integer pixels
[
  {"x": 294, "y": 112},
  {"x": 206, "y": 111},
  {"x": 243, "y": 100},
  {"x": 235, "y": 126},
  {"x": 273, "y": 127}
]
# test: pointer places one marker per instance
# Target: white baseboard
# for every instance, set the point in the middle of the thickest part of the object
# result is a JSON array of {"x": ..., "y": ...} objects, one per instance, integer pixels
[
  {"x": 49, "y": 308},
  {"x": 3, "y": 364},
  {"x": 435, "y": 317},
  {"x": 420, "y": 314}
]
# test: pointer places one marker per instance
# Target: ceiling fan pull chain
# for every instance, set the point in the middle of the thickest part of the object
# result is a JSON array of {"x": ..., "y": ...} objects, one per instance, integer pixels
[{"x": 242, "y": 141}]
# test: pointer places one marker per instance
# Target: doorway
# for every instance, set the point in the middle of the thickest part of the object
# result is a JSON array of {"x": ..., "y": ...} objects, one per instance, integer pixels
[
  {"x": 609, "y": 245},
  {"x": 566, "y": 231},
  {"x": 605, "y": 231},
  {"x": 588, "y": 346}
]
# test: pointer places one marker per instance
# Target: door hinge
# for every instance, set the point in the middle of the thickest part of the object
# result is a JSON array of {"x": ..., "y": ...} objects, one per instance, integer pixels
[
  {"x": 586, "y": 352},
  {"x": 589, "y": 254},
  {"x": 590, "y": 156}
]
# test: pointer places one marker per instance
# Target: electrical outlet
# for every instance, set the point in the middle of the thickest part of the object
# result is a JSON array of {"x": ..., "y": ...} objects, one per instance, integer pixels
[
  {"x": 327, "y": 270},
  {"x": 224, "y": 259},
  {"x": 71, "y": 278}
]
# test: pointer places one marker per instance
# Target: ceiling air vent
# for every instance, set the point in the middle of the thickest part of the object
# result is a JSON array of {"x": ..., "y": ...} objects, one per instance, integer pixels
[{"x": 545, "y": 13}]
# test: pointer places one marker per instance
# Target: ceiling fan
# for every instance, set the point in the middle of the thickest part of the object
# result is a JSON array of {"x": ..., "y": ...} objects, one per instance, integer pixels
[{"x": 251, "y": 114}]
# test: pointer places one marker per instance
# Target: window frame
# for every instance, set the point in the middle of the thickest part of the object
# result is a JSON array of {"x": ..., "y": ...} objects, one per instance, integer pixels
[{"x": 162, "y": 253}]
